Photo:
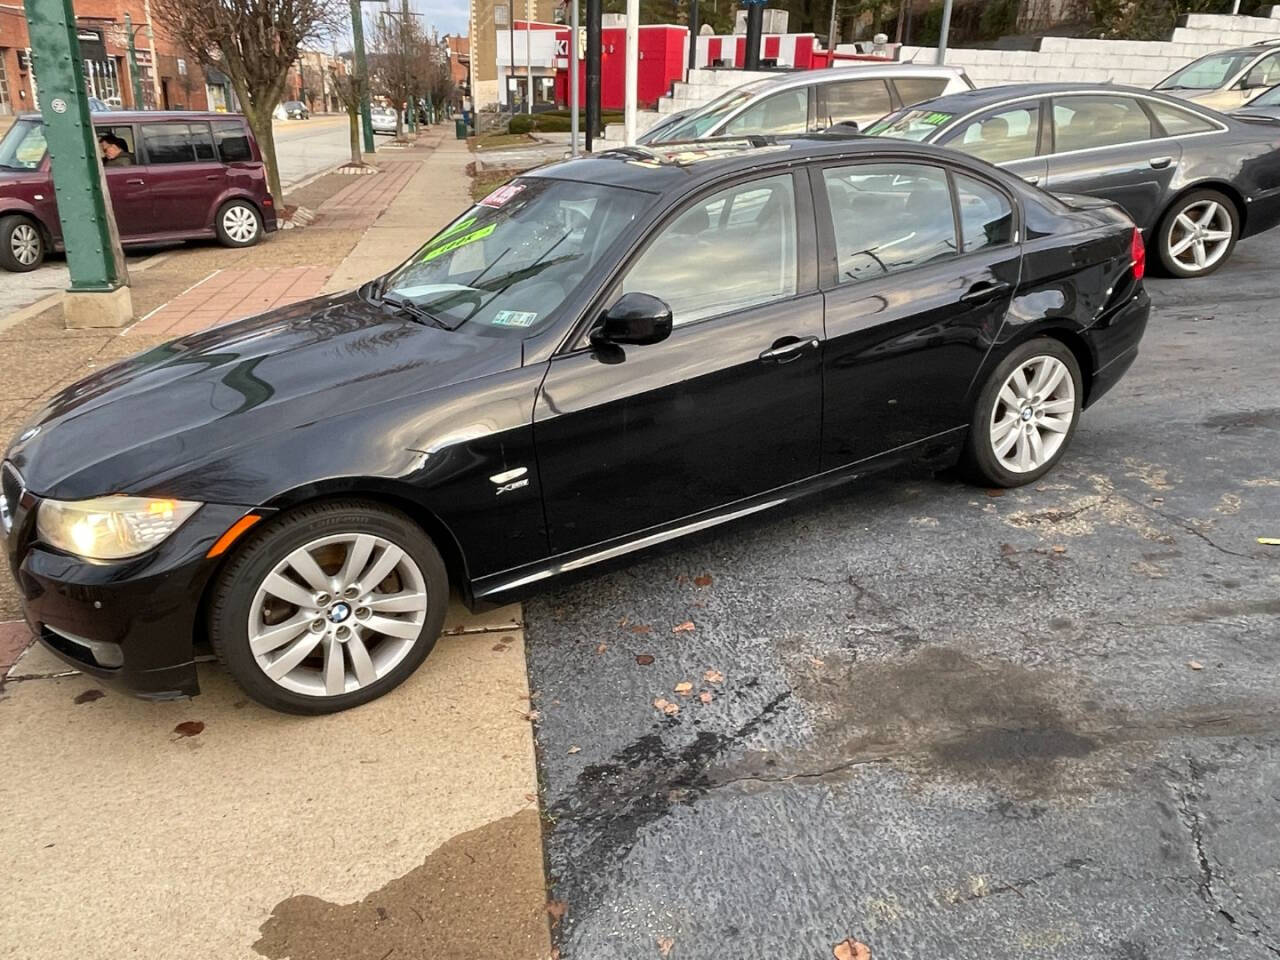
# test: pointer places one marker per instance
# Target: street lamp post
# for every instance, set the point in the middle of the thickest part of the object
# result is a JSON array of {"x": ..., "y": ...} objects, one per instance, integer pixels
[
  {"x": 133, "y": 64},
  {"x": 362, "y": 73}
]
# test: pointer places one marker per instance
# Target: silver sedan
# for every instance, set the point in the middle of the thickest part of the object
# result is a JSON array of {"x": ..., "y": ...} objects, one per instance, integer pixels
[{"x": 384, "y": 120}]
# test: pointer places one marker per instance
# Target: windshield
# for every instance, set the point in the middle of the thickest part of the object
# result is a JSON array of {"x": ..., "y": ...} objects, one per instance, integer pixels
[
  {"x": 511, "y": 260},
  {"x": 23, "y": 146},
  {"x": 1207, "y": 73},
  {"x": 917, "y": 125},
  {"x": 1269, "y": 99},
  {"x": 706, "y": 118}
]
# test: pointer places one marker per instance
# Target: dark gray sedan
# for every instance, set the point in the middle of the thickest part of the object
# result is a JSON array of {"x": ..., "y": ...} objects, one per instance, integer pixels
[
  {"x": 1265, "y": 106},
  {"x": 1194, "y": 180}
]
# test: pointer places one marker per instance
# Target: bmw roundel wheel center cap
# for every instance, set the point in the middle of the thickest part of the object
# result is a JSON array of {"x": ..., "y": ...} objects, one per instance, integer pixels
[{"x": 339, "y": 612}]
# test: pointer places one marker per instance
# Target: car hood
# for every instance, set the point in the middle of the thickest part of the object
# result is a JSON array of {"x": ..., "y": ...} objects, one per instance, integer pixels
[{"x": 192, "y": 399}]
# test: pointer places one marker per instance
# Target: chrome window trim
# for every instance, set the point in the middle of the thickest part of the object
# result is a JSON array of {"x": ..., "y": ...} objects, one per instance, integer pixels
[{"x": 1219, "y": 127}]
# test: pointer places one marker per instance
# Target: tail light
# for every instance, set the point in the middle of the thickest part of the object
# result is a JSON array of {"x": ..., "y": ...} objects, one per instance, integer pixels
[{"x": 1138, "y": 252}]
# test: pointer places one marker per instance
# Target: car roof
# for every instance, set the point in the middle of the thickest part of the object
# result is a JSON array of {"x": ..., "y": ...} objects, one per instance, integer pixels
[
  {"x": 132, "y": 116},
  {"x": 664, "y": 167},
  {"x": 805, "y": 78},
  {"x": 963, "y": 101}
]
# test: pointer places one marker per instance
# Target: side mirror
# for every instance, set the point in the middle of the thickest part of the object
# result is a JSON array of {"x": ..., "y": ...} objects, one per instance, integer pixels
[{"x": 636, "y": 318}]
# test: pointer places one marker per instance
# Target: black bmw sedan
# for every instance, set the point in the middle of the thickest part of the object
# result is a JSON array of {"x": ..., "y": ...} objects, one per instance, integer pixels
[
  {"x": 602, "y": 355},
  {"x": 1194, "y": 180}
]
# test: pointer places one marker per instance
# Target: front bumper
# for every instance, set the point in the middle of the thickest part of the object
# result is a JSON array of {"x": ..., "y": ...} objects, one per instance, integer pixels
[{"x": 130, "y": 624}]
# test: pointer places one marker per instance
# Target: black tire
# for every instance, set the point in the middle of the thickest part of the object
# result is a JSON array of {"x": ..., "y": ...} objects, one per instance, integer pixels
[
  {"x": 238, "y": 583},
  {"x": 980, "y": 462},
  {"x": 22, "y": 246},
  {"x": 1164, "y": 241},
  {"x": 236, "y": 216}
]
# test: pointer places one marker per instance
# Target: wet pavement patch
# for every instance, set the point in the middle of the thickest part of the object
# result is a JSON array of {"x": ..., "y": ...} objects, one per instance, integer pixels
[{"x": 477, "y": 895}]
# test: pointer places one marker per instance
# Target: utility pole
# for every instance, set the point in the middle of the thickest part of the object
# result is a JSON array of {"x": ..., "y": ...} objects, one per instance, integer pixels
[
  {"x": 133, "y": 64},
  {"x": 755, "y": 24},
  {"x": 593, "y": 70},
  {"x": 528, "y": 59},
  {"x": 99, "y": 292},
  {"x": 631, "y": 77},
  {"x": 944, "y": 30},
  {"x": 155, "y": 60},
  {"x": 573, "y": 78},
  {"x": 831, "y": 31},
  {"x": 693, "y": 38},
  {"x": 362, "y": 73}
]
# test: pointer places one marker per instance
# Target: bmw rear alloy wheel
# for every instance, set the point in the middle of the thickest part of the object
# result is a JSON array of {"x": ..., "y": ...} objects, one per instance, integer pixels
[
  {"x": 1197, "y": 234},
  {"x": 336, "y": 604}
]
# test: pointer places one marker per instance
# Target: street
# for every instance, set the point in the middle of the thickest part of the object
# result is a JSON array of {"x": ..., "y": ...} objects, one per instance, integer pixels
[
  {"x": 943, "y": 721},
  {"x": 303, "y": 147}
]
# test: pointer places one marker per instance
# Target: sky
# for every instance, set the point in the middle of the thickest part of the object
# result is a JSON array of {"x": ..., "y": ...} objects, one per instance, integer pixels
[{"x": 447, "y": 16}]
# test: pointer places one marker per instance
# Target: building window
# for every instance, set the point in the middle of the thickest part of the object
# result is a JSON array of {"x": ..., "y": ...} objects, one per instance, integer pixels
[{"x": 6, "y": 103}]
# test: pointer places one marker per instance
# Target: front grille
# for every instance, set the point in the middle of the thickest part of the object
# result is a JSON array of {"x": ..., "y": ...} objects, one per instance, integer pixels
[{"x": 10, "y": 495}]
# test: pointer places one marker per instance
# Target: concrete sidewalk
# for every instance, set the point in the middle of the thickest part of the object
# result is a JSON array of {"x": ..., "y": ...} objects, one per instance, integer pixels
[{"x": 213, "y": 828}]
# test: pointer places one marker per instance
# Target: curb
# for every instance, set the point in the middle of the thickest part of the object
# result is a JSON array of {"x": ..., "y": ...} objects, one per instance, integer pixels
[{"x": 53, "y": 299}]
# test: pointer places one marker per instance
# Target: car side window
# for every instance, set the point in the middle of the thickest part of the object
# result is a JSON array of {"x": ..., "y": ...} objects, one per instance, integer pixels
[
  {"x": 986, "y": 216},
  {"x": 233, "y": 141},
  {"x": 913, "y": 90},
  {"x": 860, "y": 101},
  {"x": 177, "y": 142},
  {"x": 1177, "y": 122},
  {"x": 727, "y": 252},
  {"x": 889, "y": 217},
  {"x": 1001, "y": 136},
  {"x": 785, "y": 112},
  {"x": 1080, "y": 123},
  {"x": 120, "y": 137},
  {"x": 1264, "y": 73}
]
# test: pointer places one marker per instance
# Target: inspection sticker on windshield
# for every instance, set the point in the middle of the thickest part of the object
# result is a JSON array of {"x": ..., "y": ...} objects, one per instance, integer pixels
[
  {"x": 502, "y": 195},
  {"x": 514, "y": 318}
]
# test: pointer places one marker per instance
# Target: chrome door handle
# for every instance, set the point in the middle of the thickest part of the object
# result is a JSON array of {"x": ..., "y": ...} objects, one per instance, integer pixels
[
  {"x": 1159, "y": 163},
  {"x": 789, "y": 351},
  {"x": 981, "y": 292},
  {"x": 139, "y": 182}
]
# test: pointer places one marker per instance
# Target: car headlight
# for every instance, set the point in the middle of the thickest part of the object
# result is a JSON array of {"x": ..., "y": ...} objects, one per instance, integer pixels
[{"x": 110, "y": 528}]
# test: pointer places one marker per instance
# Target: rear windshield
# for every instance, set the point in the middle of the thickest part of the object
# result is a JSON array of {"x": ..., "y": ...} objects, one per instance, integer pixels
[
  {"x": 23, "y": 146},
  {"x": 911, "y": 124}
]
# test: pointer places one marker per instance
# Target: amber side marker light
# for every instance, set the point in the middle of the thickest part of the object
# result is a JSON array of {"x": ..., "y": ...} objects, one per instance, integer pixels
[{"x": 233, "y": 533}]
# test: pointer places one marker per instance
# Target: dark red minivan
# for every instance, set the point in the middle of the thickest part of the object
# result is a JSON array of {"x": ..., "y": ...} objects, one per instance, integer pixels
[{"x": 171, "y": 176}]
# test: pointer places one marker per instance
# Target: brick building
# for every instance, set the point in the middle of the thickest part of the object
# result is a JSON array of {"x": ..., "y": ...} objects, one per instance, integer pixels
[{"x": 170, "y": 76}]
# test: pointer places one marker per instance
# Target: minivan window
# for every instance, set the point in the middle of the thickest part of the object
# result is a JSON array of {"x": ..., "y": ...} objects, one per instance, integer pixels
[
  {"x": 177, "y": 142},
  {"x": 860, "y": 101},
  {"x": 889, "y": 217},
  {"x": 1000, "y": 136},
  {"x": 782, "y": 113},
  {"x": 23, "y": 147},
  {"x": 1080, "y": 123},
  {"x": 233, "y": 141}
]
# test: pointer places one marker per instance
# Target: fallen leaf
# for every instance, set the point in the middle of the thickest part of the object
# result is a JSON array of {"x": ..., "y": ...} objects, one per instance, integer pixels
[
  {"x": 670, "y": 709},
  {"x": 188, "y": 728},
  {"x": 556, "y": 909},
  {"x": 683, "y": 627},
  {"x": 533, "y": 716},
  {"x": 602, "y": 648},
  {"x": 555, "y": 953},
  {"x": 702, "y": 581},
  {"x": 499, "y": 647},
  {"x": 574, "y": 749},
  {"x": 1059, "y": 548},
  {"x": 644, "y": 659},
  {"x": 91, "y": 695},
  {"x": 684, "y": 688},
  {"x": 993, "y": 492},
  {"x": 817, "y": 663},
  {"x": 1195, "y": 664},
  {"x": 705, "y": 696},
  {"x": 641, "y": 628},
  {"x": 623, "y": 622},
  {"x": 713, "y": 676},
  {"x": 851, "y": 950},
  {"x": 664, "y": 946},
  {"x": 531, "y": 797}
]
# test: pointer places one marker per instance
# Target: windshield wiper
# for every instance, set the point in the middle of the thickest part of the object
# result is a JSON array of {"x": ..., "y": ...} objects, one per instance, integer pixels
[{"x": 405, "y": 305}]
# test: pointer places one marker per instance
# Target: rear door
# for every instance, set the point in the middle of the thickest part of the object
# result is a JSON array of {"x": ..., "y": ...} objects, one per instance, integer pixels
[
  {"x": 848, "y": 102},
  {"x": 1012, "y": 136},
  {"x": 184, "y": 174},
  {"x": 922, "y": 265},
  {"x": 127, "y": 185},
  {"x": 1108, "y": 145},
  {"x": 779, "y": 114}
]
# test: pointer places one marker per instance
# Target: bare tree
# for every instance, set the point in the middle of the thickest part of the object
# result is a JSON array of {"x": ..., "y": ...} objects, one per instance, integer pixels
[
  {"x": 400, "y": 62},
  {"x": 254, "y": 42},
  {"x": 350, "y": 90}
]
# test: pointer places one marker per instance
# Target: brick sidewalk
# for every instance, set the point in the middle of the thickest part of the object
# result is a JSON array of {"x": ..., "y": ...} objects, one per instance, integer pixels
[
  {"x": 231, "y": 294},
  {"x": 360, "y": 204}
]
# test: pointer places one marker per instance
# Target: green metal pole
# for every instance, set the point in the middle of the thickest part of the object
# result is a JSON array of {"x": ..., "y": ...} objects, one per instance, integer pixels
[
  {"x": 94, "y": 258},
  {"x": 362, "y": 74},
  {"x": 133, "y": 64}
]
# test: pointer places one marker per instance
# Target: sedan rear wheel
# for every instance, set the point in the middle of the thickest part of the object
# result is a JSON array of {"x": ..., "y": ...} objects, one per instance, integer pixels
[
  {"x": 21, "y": 244},
  {"x": 1025, "y": 415},
  {"x": 329, "y": 607},
  {"x": 1197, "y": 234}
]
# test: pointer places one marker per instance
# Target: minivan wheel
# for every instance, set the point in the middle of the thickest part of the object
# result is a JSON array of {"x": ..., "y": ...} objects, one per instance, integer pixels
[
  {"x": 238, "y": 224},
  {"x": 1025, "y": 416},
  {"x": 329, "y": 606},
  {"x": 1197, "y": 234},
  {"x": 21, "y": 244}
]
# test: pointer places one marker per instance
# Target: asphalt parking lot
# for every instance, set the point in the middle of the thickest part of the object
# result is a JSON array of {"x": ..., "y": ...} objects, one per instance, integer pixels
[{"x": 945, "y": 723}]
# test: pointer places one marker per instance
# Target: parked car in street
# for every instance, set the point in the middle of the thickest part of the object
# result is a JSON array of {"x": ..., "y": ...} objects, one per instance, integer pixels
[
  {"x": 171, "y": 176},
  {"x": 602, "y": 355},
  {"x": 99, "y": 106},
  {"x": 384, "y": 119},
  {"x": 814, "y": 100},
  {"x": 294, "y": 110},
  {"x": 1265, "y": 106},
  {"x": 1194, "y": 180},
  {"x": 1226, "y": 79}
]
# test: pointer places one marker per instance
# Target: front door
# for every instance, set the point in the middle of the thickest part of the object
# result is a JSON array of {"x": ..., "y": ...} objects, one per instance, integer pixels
[
  {"x": 1104, "y": 146},
  {"x": 126, "y": 179},
  {"x": 918, "y": 293},
  {"x": 184, "y": 175},
  {"x": 727, "y": 407}
]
